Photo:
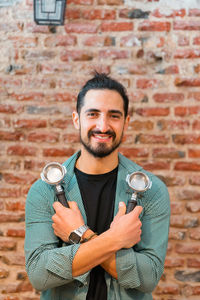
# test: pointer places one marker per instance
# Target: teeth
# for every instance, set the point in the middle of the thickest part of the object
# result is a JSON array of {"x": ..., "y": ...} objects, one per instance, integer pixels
[{"x": 102, "y": 137}]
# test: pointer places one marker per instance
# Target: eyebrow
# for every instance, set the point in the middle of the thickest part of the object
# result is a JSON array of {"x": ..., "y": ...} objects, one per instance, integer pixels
[{"x": 115, "y": 111}]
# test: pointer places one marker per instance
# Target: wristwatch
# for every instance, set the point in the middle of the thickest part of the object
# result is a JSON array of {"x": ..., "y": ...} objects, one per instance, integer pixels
[{"x": 76, "y": 235}]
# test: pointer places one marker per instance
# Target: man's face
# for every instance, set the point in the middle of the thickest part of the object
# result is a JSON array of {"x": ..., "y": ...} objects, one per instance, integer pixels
[{"x": 101, "y": 122}]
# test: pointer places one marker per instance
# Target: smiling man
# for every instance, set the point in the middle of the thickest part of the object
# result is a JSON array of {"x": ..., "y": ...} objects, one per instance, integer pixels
[{"x": 106, "y": 253}]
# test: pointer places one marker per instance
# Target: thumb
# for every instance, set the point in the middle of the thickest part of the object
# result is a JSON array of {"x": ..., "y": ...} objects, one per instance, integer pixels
[{"x": 122, "y": 209}]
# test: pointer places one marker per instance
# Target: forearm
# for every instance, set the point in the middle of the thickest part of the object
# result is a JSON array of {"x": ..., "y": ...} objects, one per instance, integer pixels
[{"x": 100, "y": 250}]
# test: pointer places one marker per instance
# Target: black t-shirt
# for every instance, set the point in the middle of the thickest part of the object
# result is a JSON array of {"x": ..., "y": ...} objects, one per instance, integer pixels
[{"x": 98, "y": 195}]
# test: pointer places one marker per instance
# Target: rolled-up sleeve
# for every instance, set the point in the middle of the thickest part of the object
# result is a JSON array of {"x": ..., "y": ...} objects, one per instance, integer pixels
[
  {"x": 141, "y": 267},
  {"x": 47, "y": 264}
]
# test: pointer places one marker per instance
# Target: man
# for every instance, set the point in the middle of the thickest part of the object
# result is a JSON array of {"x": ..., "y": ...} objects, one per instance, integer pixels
[{"x": 117, "y": 255}]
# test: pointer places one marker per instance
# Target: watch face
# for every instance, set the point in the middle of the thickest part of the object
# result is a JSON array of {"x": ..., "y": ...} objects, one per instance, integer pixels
[{"x": 74, "y": 238}]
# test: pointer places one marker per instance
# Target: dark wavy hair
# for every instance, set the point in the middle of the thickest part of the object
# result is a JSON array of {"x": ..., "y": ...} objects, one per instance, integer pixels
[{"x": 102, "y": 81}]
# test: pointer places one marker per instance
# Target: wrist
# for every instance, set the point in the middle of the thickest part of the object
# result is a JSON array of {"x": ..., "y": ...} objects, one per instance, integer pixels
[{"x": 88, "y": 235}]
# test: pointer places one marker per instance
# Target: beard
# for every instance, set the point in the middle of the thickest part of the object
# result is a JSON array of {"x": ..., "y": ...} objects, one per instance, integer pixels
[{"x": 101, "y": 150}]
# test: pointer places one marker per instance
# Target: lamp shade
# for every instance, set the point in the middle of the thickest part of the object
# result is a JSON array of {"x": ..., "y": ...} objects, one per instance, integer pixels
[{"x": 49, "y": 12}]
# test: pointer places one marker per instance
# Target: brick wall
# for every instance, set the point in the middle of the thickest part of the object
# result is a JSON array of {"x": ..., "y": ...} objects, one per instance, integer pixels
[{"x": 152, "y": 47}]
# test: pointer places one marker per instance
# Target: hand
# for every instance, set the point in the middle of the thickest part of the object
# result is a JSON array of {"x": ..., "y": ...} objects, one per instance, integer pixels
[
  {"x": 127, "y": 227},
  {"x": 65, "y": 220}
]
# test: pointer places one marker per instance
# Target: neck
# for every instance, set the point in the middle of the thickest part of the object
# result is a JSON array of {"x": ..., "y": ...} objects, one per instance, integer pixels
[{"x": 89, "y": 164}]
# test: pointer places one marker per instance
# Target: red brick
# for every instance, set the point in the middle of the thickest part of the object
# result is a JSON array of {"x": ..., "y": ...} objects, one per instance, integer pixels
[
  {"x": 137, "y": 125},
  {"x": 196, "y": 40},
  {"x": 172, "y": 153},
  {"x": 15, "y": 205},
  {"x": 80, "y": 2},
  {"x": 24, "y": 42},
  {"x": 154, "y": 26},
  {"x": 173, "y": 124},
  {"x": 71, "y": 138},
  {"x": 72, "y": 13},
  {"x": 58, "y": 152},
  {"x": 171, "y": 181},
  {"x": 30, "y": 123},
  {"x": 134, "y": 152},
  {"x": 64, "y": 97},
  {"x": 183, "y": 111},
  {"x": 171, "y": 262},
  {"x": 33, "y": 164},
  {"x": 194, "y": 12},
  {"x": 3, "y": 273},
  {"x": 186, "y": 25},
  {"x": 22, "y": 150},
  {"x": 180, "y": 221},
  {"x": 187, "y": 166},
  {"x": 197, "y": 68},
  {"x": 168, "y": 97},
  {"x": 11, "y": 136},
  {"x": 10, "y": 109},
  {"x": 114, "y": 54},
  {"x": 155, "y": 165},
  {"x": 194, "y": 233},
  {"x": 110, "y": 2},
  {"x": 152, "y": 139},
  {"x": 81, "y": 28},
  {"x": 10, "y": 192},
  {"x": 76, "y": 55},
  {"x": 187, "y": 82},
  {"x": 194, "y": 96},
  {"x": 193, "y": 207},
  {"x": 99, "y": 14},
  {"x": 188, "y": 248},
  {"x": 148, "y": 83},
  {"x": 194, "y": 153},
  {"x": 193, "y": 263},
  {"x": 60, "y": 123},
  {"x": 177, "y": 234},
  {"x": 98, "y": 41},
  {"x": 194, "y": 180},
  {"x": 16, "y": 232},
  {"x": 169, "y": 289},
  {"x": 60, "y": 40},
  {"x": 19, "y": 178},
  {"x": 28, "y": 96},
  {"x": 169, "y": 13},
  {"x": 7, "y": 244},
  {"x": 187, "y": 53},
  {"x": 13, "y": 259},
  {"x": 39, "y": 137},
  {"x": 153, "y": 111},
  {"x": 117, "y": 26},
  {"x": 7, "y": 217},
  {"x": 186, "y": 139},
  {"x": 188, "y": 194}
]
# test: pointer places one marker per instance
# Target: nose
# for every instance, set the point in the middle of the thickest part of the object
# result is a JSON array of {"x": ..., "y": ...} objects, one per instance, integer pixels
[{"x": 103, "y": 123}]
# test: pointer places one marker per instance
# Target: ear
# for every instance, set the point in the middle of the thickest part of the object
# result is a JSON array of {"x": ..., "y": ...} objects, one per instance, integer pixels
[
  {"x": 126, "y": 122},
  {"x": 75, "y": 118}
]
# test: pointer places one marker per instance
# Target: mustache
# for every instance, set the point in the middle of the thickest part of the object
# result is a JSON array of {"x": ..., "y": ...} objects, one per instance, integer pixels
[{"x": 109, "y": 132}]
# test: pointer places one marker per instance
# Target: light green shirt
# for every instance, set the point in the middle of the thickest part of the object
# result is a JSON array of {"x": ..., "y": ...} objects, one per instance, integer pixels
[{"x": 139, "y": 269}]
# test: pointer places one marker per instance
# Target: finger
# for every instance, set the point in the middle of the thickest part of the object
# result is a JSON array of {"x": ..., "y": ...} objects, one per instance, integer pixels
[
  {"x": 73, "y": 205},
  {"x": 57, "y": 206},
  {"x": 122, "y": 209},
  {"x": 137, "y": 211}
]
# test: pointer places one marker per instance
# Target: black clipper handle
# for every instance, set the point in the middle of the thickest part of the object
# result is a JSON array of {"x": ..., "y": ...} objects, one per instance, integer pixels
[
  {"x": 131, "y": 205},
  {"x": 61, "y": 198}
]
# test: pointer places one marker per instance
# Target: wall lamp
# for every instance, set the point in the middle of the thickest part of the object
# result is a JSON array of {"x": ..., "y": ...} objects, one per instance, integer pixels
[{"x": 49, "y": 12}]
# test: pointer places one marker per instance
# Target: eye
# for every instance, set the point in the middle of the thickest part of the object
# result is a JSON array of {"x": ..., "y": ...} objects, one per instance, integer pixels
[
  {"x": 92, "y": 114},
  {"x": 115, "y": 116}
]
